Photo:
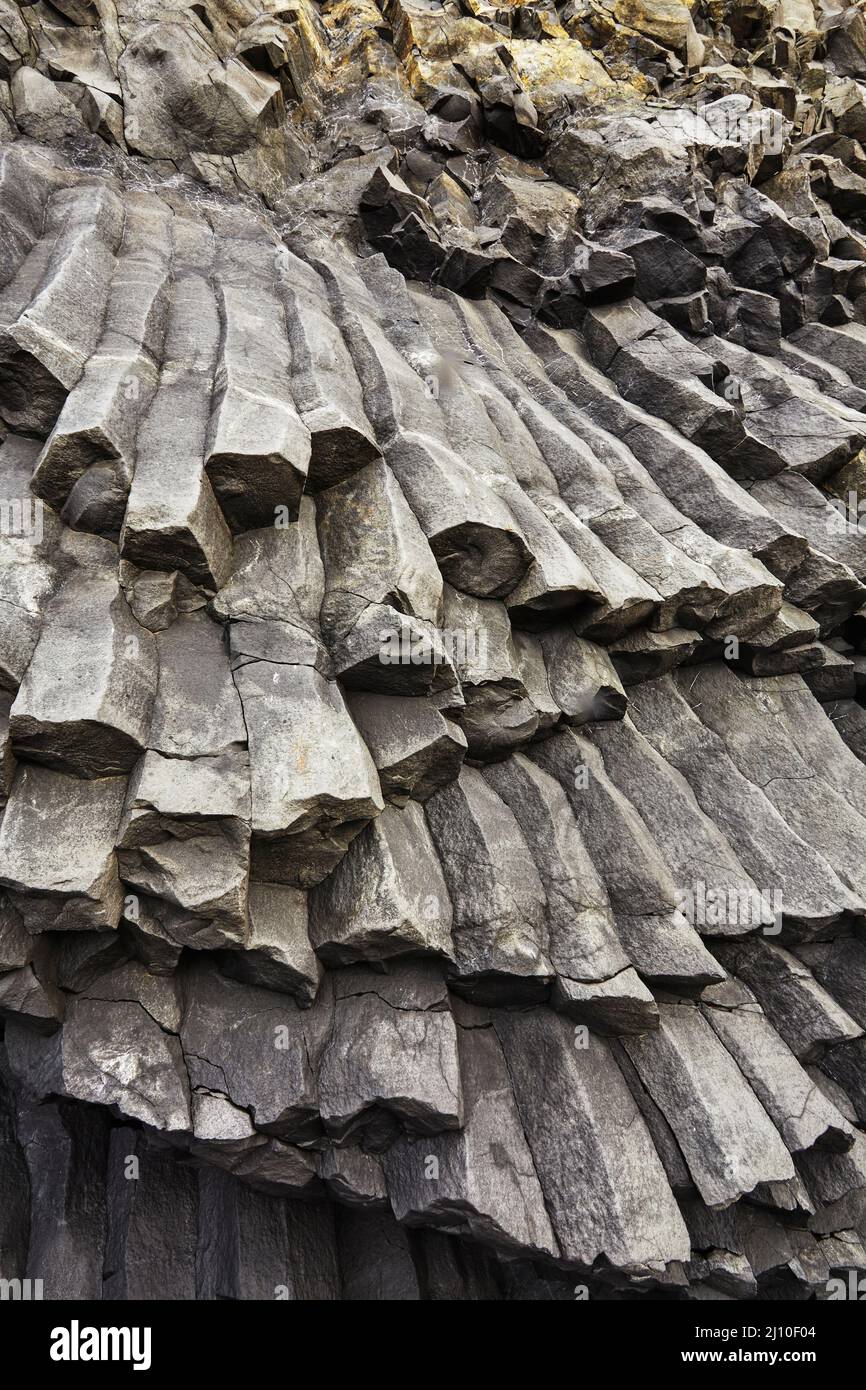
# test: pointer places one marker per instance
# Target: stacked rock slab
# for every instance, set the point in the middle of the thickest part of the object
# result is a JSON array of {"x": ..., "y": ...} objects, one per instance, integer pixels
[{"x": 432, "y": 650}]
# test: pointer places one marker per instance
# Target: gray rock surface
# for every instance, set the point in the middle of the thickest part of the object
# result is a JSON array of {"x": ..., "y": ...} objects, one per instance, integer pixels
[
  {"x": 432, "y": 650},
  {"x": 387, "y": 896},
  {"x": 390, "y": 1059},
  {"x": 499, "y": 902}
]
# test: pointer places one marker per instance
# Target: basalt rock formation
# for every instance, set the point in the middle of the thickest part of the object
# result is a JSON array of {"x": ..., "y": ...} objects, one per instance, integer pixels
[{"x": 432, "y": 648}]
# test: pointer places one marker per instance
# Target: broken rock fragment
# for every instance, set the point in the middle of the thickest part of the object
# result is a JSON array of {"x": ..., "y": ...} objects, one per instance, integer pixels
[
  {"x": 277, "y": 953},
  {"x": 386, "y": 897},
  {"x": 314, "y": 785},
  {"x": 88, "y": 1062},
  {"x": 261, "y": 1062},
  {"x": 498, "y": 713},
  {"x": 85, "y": 702},
  {"x": 414, "y": 747},
  {"x": 390, "y": 1059}
]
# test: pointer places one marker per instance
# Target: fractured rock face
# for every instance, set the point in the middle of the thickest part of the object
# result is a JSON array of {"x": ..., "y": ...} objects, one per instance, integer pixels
[
  {"x": 387, "y": 895},
  {"x": 500, "y": 926},
  {"x": 585, "y": 1122},
  {"x": 261, "y": 1064},
  {"x": 51, "y": 311},
  {"x": 277, "y": 953},
  {"x": 498, "y": 713},
  {"x": 70, "y": 882},
  {"x": 274, "y": 593},
  {"x": 432, "y": 596},
  {"x": 390, "y": 1059},
  {"x": 89, "y": 1064},
  {"x": 383, "y": 591},
  {"x": 415, "y": 748},
  {"x": 85, "y": 702},
  {"x": 314, "y": 785},
  {"x": 484, "y": 1181}
]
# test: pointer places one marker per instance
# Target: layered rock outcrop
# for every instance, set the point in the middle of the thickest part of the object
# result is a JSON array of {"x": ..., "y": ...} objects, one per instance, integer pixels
[{"x": 432, "y": 649}]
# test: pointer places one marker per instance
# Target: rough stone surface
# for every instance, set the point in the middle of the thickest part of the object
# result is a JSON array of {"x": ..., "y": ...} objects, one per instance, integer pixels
[{"x": 432, "y": 650}]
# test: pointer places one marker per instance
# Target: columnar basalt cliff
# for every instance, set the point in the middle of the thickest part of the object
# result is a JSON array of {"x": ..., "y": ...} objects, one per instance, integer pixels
[{"x": 432, "y": 648}]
